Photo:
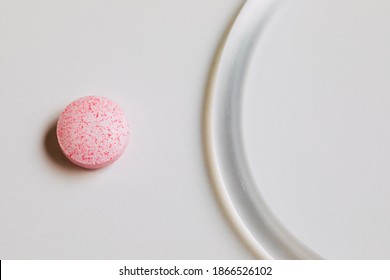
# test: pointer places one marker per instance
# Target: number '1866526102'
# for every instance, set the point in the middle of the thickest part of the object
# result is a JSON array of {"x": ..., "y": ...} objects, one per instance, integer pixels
[{"x": 242, "y": 270}]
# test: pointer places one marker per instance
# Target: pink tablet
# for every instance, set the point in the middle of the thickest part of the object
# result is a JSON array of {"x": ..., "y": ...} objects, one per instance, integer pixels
[{"x": 92, "y": 132}]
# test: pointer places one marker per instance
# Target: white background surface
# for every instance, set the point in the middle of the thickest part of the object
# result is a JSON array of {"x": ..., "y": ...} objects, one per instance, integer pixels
[
  {"x": 152, "y": 58},
  {"x": 315, "y": 128}
]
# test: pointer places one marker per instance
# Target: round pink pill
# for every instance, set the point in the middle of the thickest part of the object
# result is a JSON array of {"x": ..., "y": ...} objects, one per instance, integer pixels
[{"x": 92, "y": 132}]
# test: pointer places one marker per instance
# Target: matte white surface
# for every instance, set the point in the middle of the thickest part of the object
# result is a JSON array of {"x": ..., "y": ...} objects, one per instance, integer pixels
[
  {"x": 315, "y": 127},
  {"x": 152, "y": 58}
]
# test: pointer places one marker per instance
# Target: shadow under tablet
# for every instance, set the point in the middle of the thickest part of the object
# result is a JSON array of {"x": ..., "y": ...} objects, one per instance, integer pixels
[{"x": 54, "y": 152}]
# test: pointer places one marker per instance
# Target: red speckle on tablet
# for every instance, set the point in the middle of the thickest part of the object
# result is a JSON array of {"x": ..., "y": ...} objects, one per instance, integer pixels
[{"x": 92, "y": 132}]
